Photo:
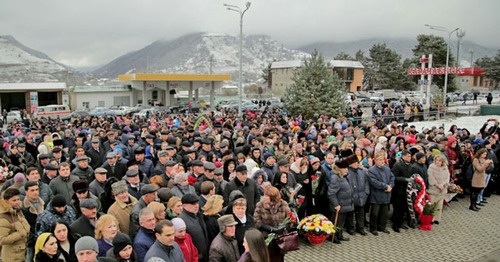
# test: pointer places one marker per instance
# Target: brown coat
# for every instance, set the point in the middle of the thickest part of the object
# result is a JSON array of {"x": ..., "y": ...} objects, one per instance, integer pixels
[
  {"x": 121, "y": 211},
  {"x": 14, "y": 230},
  {"x": 479, "y": 177},
  {"x": 438, "y": 175},
  {"x": 271, "y": 215}
]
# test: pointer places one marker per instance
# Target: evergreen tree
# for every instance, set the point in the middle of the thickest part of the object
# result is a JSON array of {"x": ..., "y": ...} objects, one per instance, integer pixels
[
  {"x": 343, "y": 56},
  {"x": 315, "y": 90},
  {"x": 492, "y": 67},
  {"x": 383, "y": 69}
]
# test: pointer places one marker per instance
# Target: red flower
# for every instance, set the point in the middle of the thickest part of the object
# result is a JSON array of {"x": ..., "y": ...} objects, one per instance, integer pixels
[
  {"x": 192, "y": 180},
  {"x": 300, "y": 200},
  {"x": 314, "y": 177},
  {"x": 292, "y": 217}
]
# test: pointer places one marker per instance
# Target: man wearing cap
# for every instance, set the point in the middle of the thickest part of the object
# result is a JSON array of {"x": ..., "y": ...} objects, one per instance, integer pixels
[
  {"x": 195, "y": 224},
  {"x": 85, "y": 224},
  {"x": 86, "y": 249},
  {"x": 63, "y": 184},
  {"x": 96, "y": 153},
  {"x": 134, "y": 183},
  {"x": 381, "y": 183},
  {"x": 206, "y": 148},
  {"x": 28, "y": 158},
  {"x": 110, "y": 139},
  {"x": 145, "y": 165},
  {"x": 247, "y": 186},
  {"x": 96, "y": 187},
  {"x": 224, "y": 247},
  {"x": 269, "y": 166},
  {"x": 209, "y": 175},
  {"x": 122, "y": 206},
  {"x": 83, "y": 170},
  {"x": 58, "y": 153},
  {"x": 163, "y": 157},
  {"x": 114, "y": 168},
  {"x": 169, "y": 174},
  {"x": 358, "y": 179},
  {"x": 198, "y": 169},
  {"x": 81, "y": 189},
  {"x": 165, "y": 247},
  {"x": 43, "y": 159},
  {"x": 55, "y": 210},
  {"x": 419, "y": 167},
  {"x": 14, "y": 227},
  {"x": 148, "y": 195},
  {"x": 78, "y": 143}
]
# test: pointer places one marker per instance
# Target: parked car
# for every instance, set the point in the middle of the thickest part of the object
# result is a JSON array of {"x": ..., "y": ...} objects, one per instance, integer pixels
[
  {"x": 139, "y": 107},
  {"x": 146, "y": 112},
  {"x": 101, "y": 111},
  {"x": 13, "y": 116},
  {"x": 122, "y": 110},
  {"x": 183, "y": 106},
  {"x": 52, "y": 112},
  {"x": 80, "y": 112}
]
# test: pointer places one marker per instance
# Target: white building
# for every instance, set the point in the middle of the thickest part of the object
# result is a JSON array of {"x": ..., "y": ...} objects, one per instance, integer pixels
[{"x": 100, "y": 96}]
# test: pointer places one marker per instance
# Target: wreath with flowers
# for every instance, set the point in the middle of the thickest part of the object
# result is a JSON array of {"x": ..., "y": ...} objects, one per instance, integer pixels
[
  {"x": 416, "y": 195},
  {"x": 316, "y": 225}
]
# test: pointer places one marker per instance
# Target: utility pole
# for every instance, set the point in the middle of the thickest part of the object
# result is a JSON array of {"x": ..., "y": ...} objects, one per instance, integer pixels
[{"x": 460, "y": 35}]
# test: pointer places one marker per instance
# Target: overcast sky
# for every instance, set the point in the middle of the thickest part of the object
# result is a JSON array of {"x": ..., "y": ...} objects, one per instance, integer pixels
[{"x": 93, "y": 32}]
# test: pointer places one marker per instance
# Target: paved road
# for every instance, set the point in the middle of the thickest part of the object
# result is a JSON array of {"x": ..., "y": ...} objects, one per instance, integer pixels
[{"x": 463, "y": 235}]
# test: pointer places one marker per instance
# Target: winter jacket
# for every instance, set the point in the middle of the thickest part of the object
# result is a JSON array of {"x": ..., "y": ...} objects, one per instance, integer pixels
[
  {"x": 49, "y": 215},
  {"x": 146, "y": 166},
  {"x": 63, "y": 186},
  {"x": 14, "y": 231},
  {"x": 83, "y": 227},
  {"x": 438, "y": 175},
  {"x": 189, "y": 251},
  {"x": 142, "y": 242},
  {"x": 121, "y": 211},
  {"x": 44, "y": 192},
  {"x": 15, "y": 162},
  {"x": 270, "y": 214},
  {"x": 75, "y": 203},
  {"x": 380, "y": 179},
  {"x": 328, "y": 172},
  {"x": 96, "y": 188},
  {"x": 31, "y": 213},
  {"x": 84, "y": 174},
  {"x": 224, "y": 248},
  {"x": 420, "y": 169},
  {"x": 358, "y": 179},
  {"x": 402, "y": 172},
  {"x": 212, "y": 226},
  {"x": 270, "y": 170},
  {"x": 134, "y": 217},
  {"x": 167, "y": 253},
  {"x": 249, "y": 189},
  {"x": 479, "y": 176},
  {"x": 195, "y": 226},
  {"x": 340, "y": 194},
  {"x": 119, "y": 170},
  {"x": 241, "y": 228},
  {"x": 103, "y": 247},
  {"x": 179, "y": 191}
]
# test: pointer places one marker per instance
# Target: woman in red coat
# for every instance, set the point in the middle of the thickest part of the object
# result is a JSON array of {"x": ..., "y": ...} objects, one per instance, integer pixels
[
  {"x": 453, "y": 152},
  {"x": 184, "y": 240}
]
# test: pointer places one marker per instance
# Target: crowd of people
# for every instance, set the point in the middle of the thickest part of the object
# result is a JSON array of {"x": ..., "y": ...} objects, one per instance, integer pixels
[{"x": 212, "y": 187}]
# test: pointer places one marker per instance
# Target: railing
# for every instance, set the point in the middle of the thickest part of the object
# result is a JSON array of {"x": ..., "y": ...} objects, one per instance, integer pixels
[{"x": 420, "y": 116}]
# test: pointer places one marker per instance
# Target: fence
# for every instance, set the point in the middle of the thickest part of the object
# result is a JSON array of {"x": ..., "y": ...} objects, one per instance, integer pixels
[{"x": 420, "y": 116}]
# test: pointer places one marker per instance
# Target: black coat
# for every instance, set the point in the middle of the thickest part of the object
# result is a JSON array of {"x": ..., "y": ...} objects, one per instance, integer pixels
[
  {"x": 83, "y": 227},
  {"x": 97, "y": 157},
  {"x": 212, "y": 226},
  {"x": 421, "y": 169},
  {"x": 249, "y": 190},
  {"x": 241, "y": 228},
  {"x": 402, "y": 172},
  {"x": 195, "y": 226},
  {"x": 120, "y": 170}
]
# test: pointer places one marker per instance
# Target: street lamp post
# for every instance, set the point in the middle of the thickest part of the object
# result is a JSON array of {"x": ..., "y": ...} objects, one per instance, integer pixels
[
  {"x": 238, "y": 10},
  {"x": 444, "y": 29}
]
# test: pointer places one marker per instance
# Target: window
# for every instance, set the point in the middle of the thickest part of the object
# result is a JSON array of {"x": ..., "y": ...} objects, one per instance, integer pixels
[
  {"x": 154, "y": 94},
  {"x": 85, "y": 104},
  {"x": 100, "y": 103}
]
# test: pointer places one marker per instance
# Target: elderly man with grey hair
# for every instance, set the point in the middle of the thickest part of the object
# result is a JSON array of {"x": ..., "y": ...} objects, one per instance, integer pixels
[{"x": 146, "y": 235}]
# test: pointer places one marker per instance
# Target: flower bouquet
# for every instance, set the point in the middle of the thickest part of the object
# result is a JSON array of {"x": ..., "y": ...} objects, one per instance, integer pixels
[
  {"x": 5, "y": 174},
  {"x": 427, "y": 215},
  {"x": 290, "y": 218},
  {"x": 316, "y": 228}
]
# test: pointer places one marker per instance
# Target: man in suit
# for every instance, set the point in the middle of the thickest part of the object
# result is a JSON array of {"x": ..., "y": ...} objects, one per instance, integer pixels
[
  {"x": 114, "y": 167},
  {"x": 96, "y": 154}
]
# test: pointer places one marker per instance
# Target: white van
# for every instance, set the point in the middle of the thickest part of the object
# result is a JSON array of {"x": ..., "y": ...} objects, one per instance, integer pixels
[{"x": 52, "y": 112}]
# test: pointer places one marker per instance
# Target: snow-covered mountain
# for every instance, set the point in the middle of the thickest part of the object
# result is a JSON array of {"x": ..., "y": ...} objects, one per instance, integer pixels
[
  {"x": 193, "y": 54},
  {"x": 19, "y": 63}
]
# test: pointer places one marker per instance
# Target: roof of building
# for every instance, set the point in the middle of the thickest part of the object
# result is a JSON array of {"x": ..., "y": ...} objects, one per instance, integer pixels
[
  {"x": 333, "y": 63},
  {"x": 94, "y": 89},
  {"x": 173, "y": 77},
  {"x": 33, "y": 86}
]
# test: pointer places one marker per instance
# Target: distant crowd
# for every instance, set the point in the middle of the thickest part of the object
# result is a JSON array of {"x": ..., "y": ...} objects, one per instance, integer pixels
[{"x": 212, "y": 187}]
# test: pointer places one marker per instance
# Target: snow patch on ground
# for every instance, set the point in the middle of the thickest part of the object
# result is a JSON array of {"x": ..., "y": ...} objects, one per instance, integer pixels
[{"x": 471, "y": 123}]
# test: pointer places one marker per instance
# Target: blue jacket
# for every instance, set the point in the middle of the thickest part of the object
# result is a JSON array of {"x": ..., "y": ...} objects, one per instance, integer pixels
[
  {"x": 142, "y": 242},
  {"x": 328, "y": 171},
  {"x": 380, "y": 179},
  {"x": 167, "y": 253},
  {"x": 49, "y": 215},
  {"x": 358, "y": 179}
]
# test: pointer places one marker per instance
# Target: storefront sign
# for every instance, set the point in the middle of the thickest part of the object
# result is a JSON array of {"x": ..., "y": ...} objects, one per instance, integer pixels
[{"x": 436, "y": 71}]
